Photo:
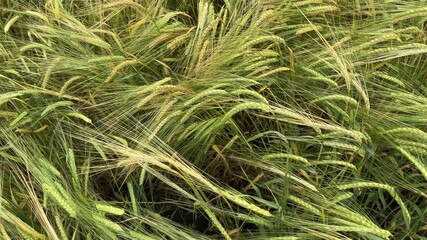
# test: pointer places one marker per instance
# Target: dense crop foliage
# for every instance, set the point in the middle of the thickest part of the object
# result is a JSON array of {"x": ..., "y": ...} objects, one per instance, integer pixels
[{"x": 207, "y": 119}]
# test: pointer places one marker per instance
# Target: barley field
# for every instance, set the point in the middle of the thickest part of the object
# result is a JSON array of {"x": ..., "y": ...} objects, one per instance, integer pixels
[{"x": 213, "y": 119}]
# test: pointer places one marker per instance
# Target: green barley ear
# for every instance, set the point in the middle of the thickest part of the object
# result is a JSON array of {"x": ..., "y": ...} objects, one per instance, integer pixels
[
  {"x": 109, "y": 209},
  {"x": 60, "y": 199},
  {"x": 73, "y": 168}
]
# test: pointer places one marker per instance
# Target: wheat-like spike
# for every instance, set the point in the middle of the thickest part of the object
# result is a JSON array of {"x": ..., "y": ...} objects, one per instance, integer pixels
[
  {"x": 355, "y": 217},
  {"x": 139, "y": 236},
  {"x": 304, "y": 204},
  {"x": 146, "y": 99},
  {"x": 162, "y": 123},
  {"x": 419, "y": 12},
  {"x": 92, "y": 40},
  {"x": 57, "y": 196},
  {"x": 333, "y": 162},
  {"x": 342, "y": 196},
  {"x": 212, "y": 25},
  {"x": 377, "y": 231},
  {"x": 49, "y": 71},
  {"x": 390, "y": 78},
  {"x": 254, "y": 59},
  {"x": 202, "y": 55},
  {"x": 107, "y": 223},
  {"x": 366, "y": 185},
  {"x": 254, "y": 219},
  {"x": 18, "y": 118},
  {"x": 67, "y": 83},
  {"x": 178, "y": 41},
  {"x": 419, "y": 164},
  {"x": 258, "y": 64},
  {"x": 306, "y": 2},
  {"x": 34, "y": 45},
  {"x": 386, "y": 187},
  {"x": 160, "y": 39},
  {"x": 102, "y": 59},
  {"x": 263, "y": 39},
  {"x": 52, "y": 169},
  {"x": 109, "y": 209},
  {"x": 379, "y": 39},
  {"x": 285, "y": 155},
  {"x": 374, "y": 52},
  {"x": 131, "y": 3},
  {"x": 411, "y": 143},
  {"x": 61, "y": 228},
  {"x": 245, "y": 204},
  {"x": 55, "y": 105},
  {"x": 10, "y": 23},
  {"x": 405, "y": 212},
  {"x": 132, "y": 198},
  {"x": 321, "y": 9},
  {"x": 272, "y": 72},
  {"x": 112, "y": 34},
  {"x": 3, "y": 232},
  {"x": 418, "y": 150},
  {"x": 356, "y": 135},
  {"x": 118, "y": 67},
  {"x": 412, "y": 45},
  {"x": 409, "y": 30},
  {"x": 408, "y": 97},
  {"x": 320, "y": 77},
  {"x": 150, "y": 87},
  {"x": 37, "y": 14},
  {"x": 308, "y": 28},
  {"x": 164, "y": 109},
  {"x": 24, "y": 235},
  {"x": 265, "y": 53},
  {"x": 80, "y": 116},
  {"x": 410, "y": 132},
  {"x": 265, "y": 18},
  {"x": 342, "y": 145},
  {"x": 190, "y": 112},
  {"x": 44, "y": 29},
  {"x": 245, "y": 106},
  {"x": 73, "y": 167},
  {"x": 296, "y": 26},
  {"x": 252, "y": 93},
  {"x": 202, "y": 14},
  {"x": 19, "y": 224},
  {"x": 203, "y": 94},
  {"x": 290, "y": 113},
  {"x": 341, "y": 42},
  {"x": 347, "y": 99}
]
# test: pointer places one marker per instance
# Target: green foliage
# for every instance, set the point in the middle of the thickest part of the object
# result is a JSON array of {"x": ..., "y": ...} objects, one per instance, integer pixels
[{"x": 206, "y": 119}]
